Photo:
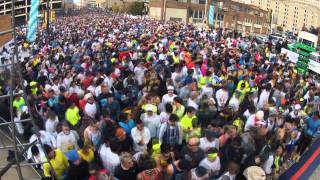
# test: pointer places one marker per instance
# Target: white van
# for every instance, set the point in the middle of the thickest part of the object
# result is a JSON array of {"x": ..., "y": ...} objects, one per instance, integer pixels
[{"x": 315, "y": 56}]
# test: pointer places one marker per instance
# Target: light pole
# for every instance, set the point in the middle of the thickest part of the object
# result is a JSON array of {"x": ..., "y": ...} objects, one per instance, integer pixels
[
  {"x": 205, "y": 11},
  {"x": 164, "y": 10},
  {"x": 48, "y": 11}
]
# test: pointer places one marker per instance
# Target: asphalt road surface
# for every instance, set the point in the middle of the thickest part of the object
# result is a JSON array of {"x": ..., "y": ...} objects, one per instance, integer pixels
[{"x": 27, "y": 172}]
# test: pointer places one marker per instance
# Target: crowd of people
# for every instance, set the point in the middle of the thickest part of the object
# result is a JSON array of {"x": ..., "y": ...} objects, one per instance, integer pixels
[{"x": 121, "y": 97}]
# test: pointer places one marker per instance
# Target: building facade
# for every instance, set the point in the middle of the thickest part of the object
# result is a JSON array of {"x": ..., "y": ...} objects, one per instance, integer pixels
[
  {"x": 291, "y": 15},
  {"x": 229, "y": 14},
  {"x": 22, "y": 8},
  {"x": 5, "y": 26}
]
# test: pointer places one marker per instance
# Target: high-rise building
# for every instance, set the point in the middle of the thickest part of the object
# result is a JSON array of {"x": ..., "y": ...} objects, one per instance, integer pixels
[
  {"x": 22, "y": 8},
  {"x": 291, "y": 15}
]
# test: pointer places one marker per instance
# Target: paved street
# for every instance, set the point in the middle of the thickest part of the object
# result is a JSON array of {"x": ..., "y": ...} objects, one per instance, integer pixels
[{"x": 12, "y": 173}]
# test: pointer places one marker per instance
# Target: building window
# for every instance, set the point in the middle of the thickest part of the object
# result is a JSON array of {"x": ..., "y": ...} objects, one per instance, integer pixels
[
  {"x": 175, "y": 19},
  {"x": 197, "y": 14},
  {"x": 202, "y": 1},
  {"x": 235, "y": 8}
]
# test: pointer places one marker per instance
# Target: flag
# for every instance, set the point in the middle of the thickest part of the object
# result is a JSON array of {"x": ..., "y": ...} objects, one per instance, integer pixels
[{"x": 211, "y": 15}]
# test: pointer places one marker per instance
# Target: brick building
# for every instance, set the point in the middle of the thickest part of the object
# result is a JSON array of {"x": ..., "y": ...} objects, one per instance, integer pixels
[
  {"x": 22, "y": 8},
  {"x": 5, "y": 26},
  {"x": 229, "y": 14}
]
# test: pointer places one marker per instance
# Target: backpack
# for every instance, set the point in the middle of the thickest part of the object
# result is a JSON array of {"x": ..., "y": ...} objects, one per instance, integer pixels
[
  {"x": 150, "y": 174},
  {"x": 171, "y": 140}
]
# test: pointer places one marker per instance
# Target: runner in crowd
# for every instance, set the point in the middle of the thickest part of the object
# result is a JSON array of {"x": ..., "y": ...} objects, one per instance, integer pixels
[{"x": 127, "y": 97}]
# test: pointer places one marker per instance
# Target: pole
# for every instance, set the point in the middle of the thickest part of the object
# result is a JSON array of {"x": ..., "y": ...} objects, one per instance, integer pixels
[
  {"x": 15, "y": 59},
  {"x": 218, "y": 15},
  {"x": 205, "y": 10},
  {"x": 8, "y": 166},
  {"x": 48, "y": 18},
  {"x": 164, "y": 10},
  {"x": 271, "y": 21},
  {"x": 219, "y": 8}
]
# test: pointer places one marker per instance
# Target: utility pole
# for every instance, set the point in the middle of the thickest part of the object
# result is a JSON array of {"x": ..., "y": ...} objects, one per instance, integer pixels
[
  {"x": 164, "y": 10},
  {"x": 48, "y": 14},
  {"x": 271, "y": 21},
  {"x": 205, "y": 10}
]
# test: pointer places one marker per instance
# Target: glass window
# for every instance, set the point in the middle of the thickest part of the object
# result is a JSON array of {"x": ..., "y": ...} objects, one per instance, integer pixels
[
  {"x": 195, "y": 14},
  {"x": 200, "y": 14},
  {"x": 202, "y": 1}
]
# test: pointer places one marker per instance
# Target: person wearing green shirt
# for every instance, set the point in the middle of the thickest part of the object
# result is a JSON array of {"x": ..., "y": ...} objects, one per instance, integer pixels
[
  {"x": 188, "y": 119},
  {"x": 178, "y": 108},
  {"x": 18, "y": 103},
  {"x": 243, "y": 88},
  {"x": 188, "y": 123},
  {"x": 72, "y": 115},
  {"x": 204, "y": 80},
  {"x": 33, "y": 87}
]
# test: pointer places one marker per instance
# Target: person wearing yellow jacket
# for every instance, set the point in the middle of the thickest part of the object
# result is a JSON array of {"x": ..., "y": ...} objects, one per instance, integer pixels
[
  {"x": 204, "y": 80},
  {"x": 18, "y": 103},
  {"x": 178, "y": 108},
  {"x": 58, "y": 161},
  {"x": 72, "y": 115},
  {"x": 33, "y": 87},
  {"x": 187, "y": 122},
  {"x": 243, "y": 87}
]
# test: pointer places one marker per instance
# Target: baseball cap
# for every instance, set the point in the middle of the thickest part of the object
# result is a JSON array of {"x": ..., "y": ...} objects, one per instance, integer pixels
[
  {"x": 170, "y": 88},
  {"x": 72, "y": 155}
]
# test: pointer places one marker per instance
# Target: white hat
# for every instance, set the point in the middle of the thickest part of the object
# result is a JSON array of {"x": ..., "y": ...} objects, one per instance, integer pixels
[
  {"x": 170, "y": 88},
  {"x": 87, "y": 96},
  {"x": 24, "y": 109},
  {"x": 149, "y": 107},
  {"x": 254, "y": 173},
  {"x": 47, "y": 87},
  {"x": 260, "y": 115},
  {"x": 297, "y": 107}
]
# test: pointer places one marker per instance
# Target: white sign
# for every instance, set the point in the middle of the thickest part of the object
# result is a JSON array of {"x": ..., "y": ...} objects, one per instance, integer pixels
[{"x": 293, "y": 57}]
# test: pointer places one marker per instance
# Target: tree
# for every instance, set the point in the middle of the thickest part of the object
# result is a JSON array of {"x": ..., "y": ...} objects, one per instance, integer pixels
[{"x": 136, "y": 8}]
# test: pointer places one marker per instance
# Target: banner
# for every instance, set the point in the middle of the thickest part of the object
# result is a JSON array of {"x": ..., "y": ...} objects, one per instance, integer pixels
[
  {"x": 211, "y": 15},
  {"x": 33, "y": 21}
]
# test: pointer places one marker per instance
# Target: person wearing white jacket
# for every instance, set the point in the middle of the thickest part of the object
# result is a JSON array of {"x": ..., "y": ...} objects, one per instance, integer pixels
[
  {"x": 66, "y": 140},
  {"x": 222, "y": 97},
  {"x": 152, "y": 121},
  {"x": 264, "y": 96},
  {"x": 46, "y": 138},
  {"x": 141, "y": 137}
]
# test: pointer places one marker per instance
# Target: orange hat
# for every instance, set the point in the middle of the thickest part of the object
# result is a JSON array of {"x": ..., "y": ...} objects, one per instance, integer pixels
[{"x": 120, "y": 134}]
